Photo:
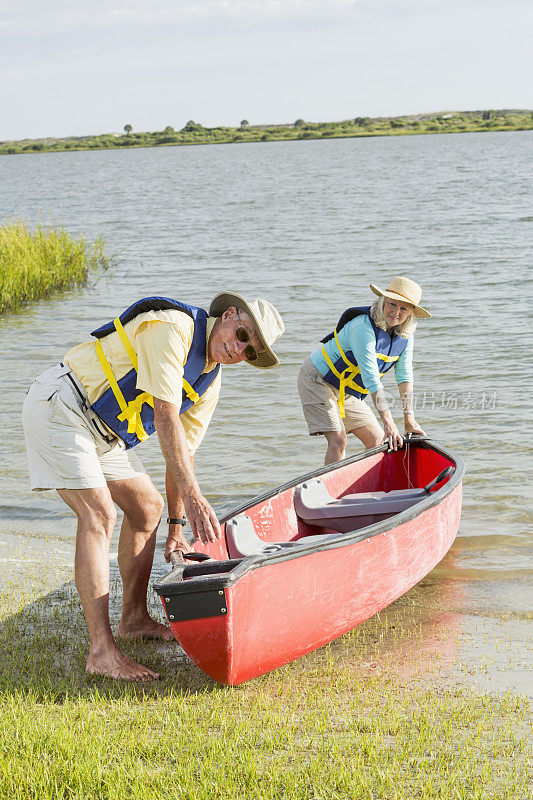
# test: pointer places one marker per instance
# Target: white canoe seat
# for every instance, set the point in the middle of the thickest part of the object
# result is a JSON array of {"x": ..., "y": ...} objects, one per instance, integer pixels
[
  {"x": 315, "y": 506},
  {"x": 243, "y": 541}
]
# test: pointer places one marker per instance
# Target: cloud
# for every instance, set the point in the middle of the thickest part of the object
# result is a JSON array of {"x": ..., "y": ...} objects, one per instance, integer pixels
[
  {"x": 101, "y": 13},
  {"x": 58, "y": 17},
  {"x": 113, "y": 35}
]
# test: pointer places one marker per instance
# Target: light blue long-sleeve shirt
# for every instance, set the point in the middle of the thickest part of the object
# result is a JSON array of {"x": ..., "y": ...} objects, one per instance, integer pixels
[{"x": 359, "y": 337}]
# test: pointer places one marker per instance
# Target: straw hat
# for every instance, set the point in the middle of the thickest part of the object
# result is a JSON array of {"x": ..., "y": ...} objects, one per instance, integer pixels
[
  {"x": 266, "y": 319},
  {"x": 404, "y": 289}
]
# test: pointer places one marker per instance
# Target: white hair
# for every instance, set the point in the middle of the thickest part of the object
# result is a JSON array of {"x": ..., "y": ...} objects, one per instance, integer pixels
[{"x": 377, "y": 313}]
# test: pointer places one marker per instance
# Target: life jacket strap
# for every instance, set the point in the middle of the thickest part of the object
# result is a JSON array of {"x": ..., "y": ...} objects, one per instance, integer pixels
[
  {"x": 190, "y": 392},
  {"x": 132, "y": 355},
  {"x": 344, "y": 357},
  {"x": 351, "y": 371},
  {"x": 132, "y": 414},
  {"x": 129, "y": 411},
  {"x": 345, "y": 377},
  {"x": 387, "y": 359}
]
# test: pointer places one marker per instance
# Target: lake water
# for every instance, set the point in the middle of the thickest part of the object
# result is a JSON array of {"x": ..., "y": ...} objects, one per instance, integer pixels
[{"x": 308, "y": 225}]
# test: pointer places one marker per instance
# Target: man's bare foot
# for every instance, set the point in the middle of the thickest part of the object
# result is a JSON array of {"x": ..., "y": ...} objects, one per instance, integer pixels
[
  {"x": 145, "y": 629},
  {"x": 114, "y": 664}
]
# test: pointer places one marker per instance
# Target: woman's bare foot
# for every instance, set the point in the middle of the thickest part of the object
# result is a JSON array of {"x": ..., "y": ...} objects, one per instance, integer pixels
[
  {"x": 114, "y": 664},
  {"x": 147, "y": 628}
]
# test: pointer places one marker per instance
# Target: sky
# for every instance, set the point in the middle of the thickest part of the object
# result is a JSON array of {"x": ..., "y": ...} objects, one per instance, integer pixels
[{"x": 73, "y": 69}]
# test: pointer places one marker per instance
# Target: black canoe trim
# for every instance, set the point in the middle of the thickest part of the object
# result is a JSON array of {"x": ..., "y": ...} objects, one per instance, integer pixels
[
  {"x": 210, "y": 603},
  {"x": 172, "y": 583}
]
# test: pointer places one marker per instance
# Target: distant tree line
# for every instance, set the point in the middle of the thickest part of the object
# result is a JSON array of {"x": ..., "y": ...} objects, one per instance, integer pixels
[{"x": 195, "y": 133}]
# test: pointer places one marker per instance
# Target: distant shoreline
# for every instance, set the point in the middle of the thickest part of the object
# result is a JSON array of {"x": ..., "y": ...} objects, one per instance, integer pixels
[{"x": 360, "y": 127}]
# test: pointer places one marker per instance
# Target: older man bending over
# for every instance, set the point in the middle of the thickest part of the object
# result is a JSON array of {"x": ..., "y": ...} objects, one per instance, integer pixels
[{"x": 156, "y": 367}]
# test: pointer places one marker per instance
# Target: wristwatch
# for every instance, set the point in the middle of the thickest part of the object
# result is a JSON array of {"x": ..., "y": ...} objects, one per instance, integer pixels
[{"x": 177, "y": 520}]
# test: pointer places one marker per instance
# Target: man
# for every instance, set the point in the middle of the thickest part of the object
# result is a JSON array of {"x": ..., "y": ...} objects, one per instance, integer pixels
[{"x": 154, "y": 368}]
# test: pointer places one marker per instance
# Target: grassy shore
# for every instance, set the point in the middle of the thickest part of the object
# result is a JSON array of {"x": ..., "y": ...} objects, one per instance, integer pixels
[
  {"x": 195, "y": 133},
  {"x": 337, "y": 724},
  {"x": 35, "y": 263}
]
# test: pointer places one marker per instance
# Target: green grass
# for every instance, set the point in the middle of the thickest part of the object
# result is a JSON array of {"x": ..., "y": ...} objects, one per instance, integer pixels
[
  {"x": 337, "y": 724},
  {"x": 195, "y": 133},
  {"x": 35, "y": 263}
]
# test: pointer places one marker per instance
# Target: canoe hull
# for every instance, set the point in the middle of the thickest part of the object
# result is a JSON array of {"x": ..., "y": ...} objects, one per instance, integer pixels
[
  {"x": 328, "y": 595},
  {"x": 284, "y": 608}
]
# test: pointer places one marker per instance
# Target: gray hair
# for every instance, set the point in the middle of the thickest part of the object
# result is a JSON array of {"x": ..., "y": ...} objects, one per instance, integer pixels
[{"x": 377, "y": 313}]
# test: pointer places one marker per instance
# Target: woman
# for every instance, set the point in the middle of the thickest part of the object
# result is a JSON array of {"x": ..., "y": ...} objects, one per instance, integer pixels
[{"x": 367, "y": 342}]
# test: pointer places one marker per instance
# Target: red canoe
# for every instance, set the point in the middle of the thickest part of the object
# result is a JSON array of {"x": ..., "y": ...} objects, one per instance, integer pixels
[{"x": 308, "y": 561}]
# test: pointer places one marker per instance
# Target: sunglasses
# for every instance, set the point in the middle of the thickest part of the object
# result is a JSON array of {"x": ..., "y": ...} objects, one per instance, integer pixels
[{"x": 242, "y": 335}]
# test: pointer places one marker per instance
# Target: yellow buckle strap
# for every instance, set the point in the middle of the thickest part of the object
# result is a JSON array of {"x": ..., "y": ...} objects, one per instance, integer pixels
[
  {"x": 345, "y": 377},
  {"x": 351, "y": 371},
  {"x": 130, "y": 411},
  {"x": 330, "y": 363},
  {"x": 383, "y": 357},
  {"x": 344, "y": 357},
  {"x": 190, "y": 392},
  {"x": 126, "y": 342},
  {"x": 343, "y": 381},
  {"x": 109, "y": 375}
]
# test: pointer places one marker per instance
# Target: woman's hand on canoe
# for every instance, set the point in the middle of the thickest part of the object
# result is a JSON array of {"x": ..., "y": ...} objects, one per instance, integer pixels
[
  {"x": 393, "y": 438},
  {"x": 412, "y": 426}
]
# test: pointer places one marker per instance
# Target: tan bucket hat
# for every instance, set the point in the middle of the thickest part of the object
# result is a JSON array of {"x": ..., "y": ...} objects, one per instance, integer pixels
[
  {"x": 404, "y": 289},
  {"x": 266, "y": 318}
]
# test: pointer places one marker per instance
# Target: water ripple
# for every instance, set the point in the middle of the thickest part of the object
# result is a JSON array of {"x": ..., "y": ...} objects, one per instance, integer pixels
[{"x": 308, "y": 226}]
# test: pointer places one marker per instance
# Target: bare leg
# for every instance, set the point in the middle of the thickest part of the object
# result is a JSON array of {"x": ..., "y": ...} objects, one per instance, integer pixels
[
  {"x": 336, "y": 446},
  {"x": 370, "y": 435},
  {"x": 142, "y": 505},
  {"x": 96, "y": 519}
]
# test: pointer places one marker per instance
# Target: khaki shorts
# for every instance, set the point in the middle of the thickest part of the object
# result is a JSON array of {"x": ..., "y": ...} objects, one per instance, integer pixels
[
  {"x": 67, "y": 445},
  {"x": 319, "y": 403}
]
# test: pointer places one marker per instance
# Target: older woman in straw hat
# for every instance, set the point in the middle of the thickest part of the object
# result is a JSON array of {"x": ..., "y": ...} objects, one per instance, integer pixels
[{"x": 335, "y": 380}]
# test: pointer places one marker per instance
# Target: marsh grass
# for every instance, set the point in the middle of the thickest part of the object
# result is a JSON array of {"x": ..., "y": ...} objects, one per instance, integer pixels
[
  {"x": 35, "y": 263},
  {"x": 336, "y": 724}
]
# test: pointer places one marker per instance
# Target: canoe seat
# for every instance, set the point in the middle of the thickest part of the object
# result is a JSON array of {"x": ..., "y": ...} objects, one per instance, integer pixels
[
  {"x": 315, "y": 506},
  {"x": 243, "y": 541}
]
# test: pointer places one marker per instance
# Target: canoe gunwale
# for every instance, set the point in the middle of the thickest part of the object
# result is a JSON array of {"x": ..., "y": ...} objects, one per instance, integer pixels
[
  {"x": 173, "y": 582},
  {"x": 425, "y": 442}
]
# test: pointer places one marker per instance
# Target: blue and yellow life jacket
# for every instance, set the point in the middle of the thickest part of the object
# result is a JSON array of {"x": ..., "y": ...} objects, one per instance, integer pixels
[
  {"x": 129, "y": 411},
  {"x": 345, "y": 374}
]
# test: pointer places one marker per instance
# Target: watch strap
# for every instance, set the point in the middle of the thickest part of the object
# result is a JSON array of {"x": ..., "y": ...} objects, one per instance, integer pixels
[{"x": 177, "y": 520}]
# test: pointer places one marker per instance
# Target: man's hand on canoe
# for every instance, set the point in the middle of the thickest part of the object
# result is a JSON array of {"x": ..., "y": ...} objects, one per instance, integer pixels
[
  {"x": 203, "y": 522},
  {"x": 173, "y": 442},
  {"x": 202, "y": 518},
  {"x": 176, "y": 541}
]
